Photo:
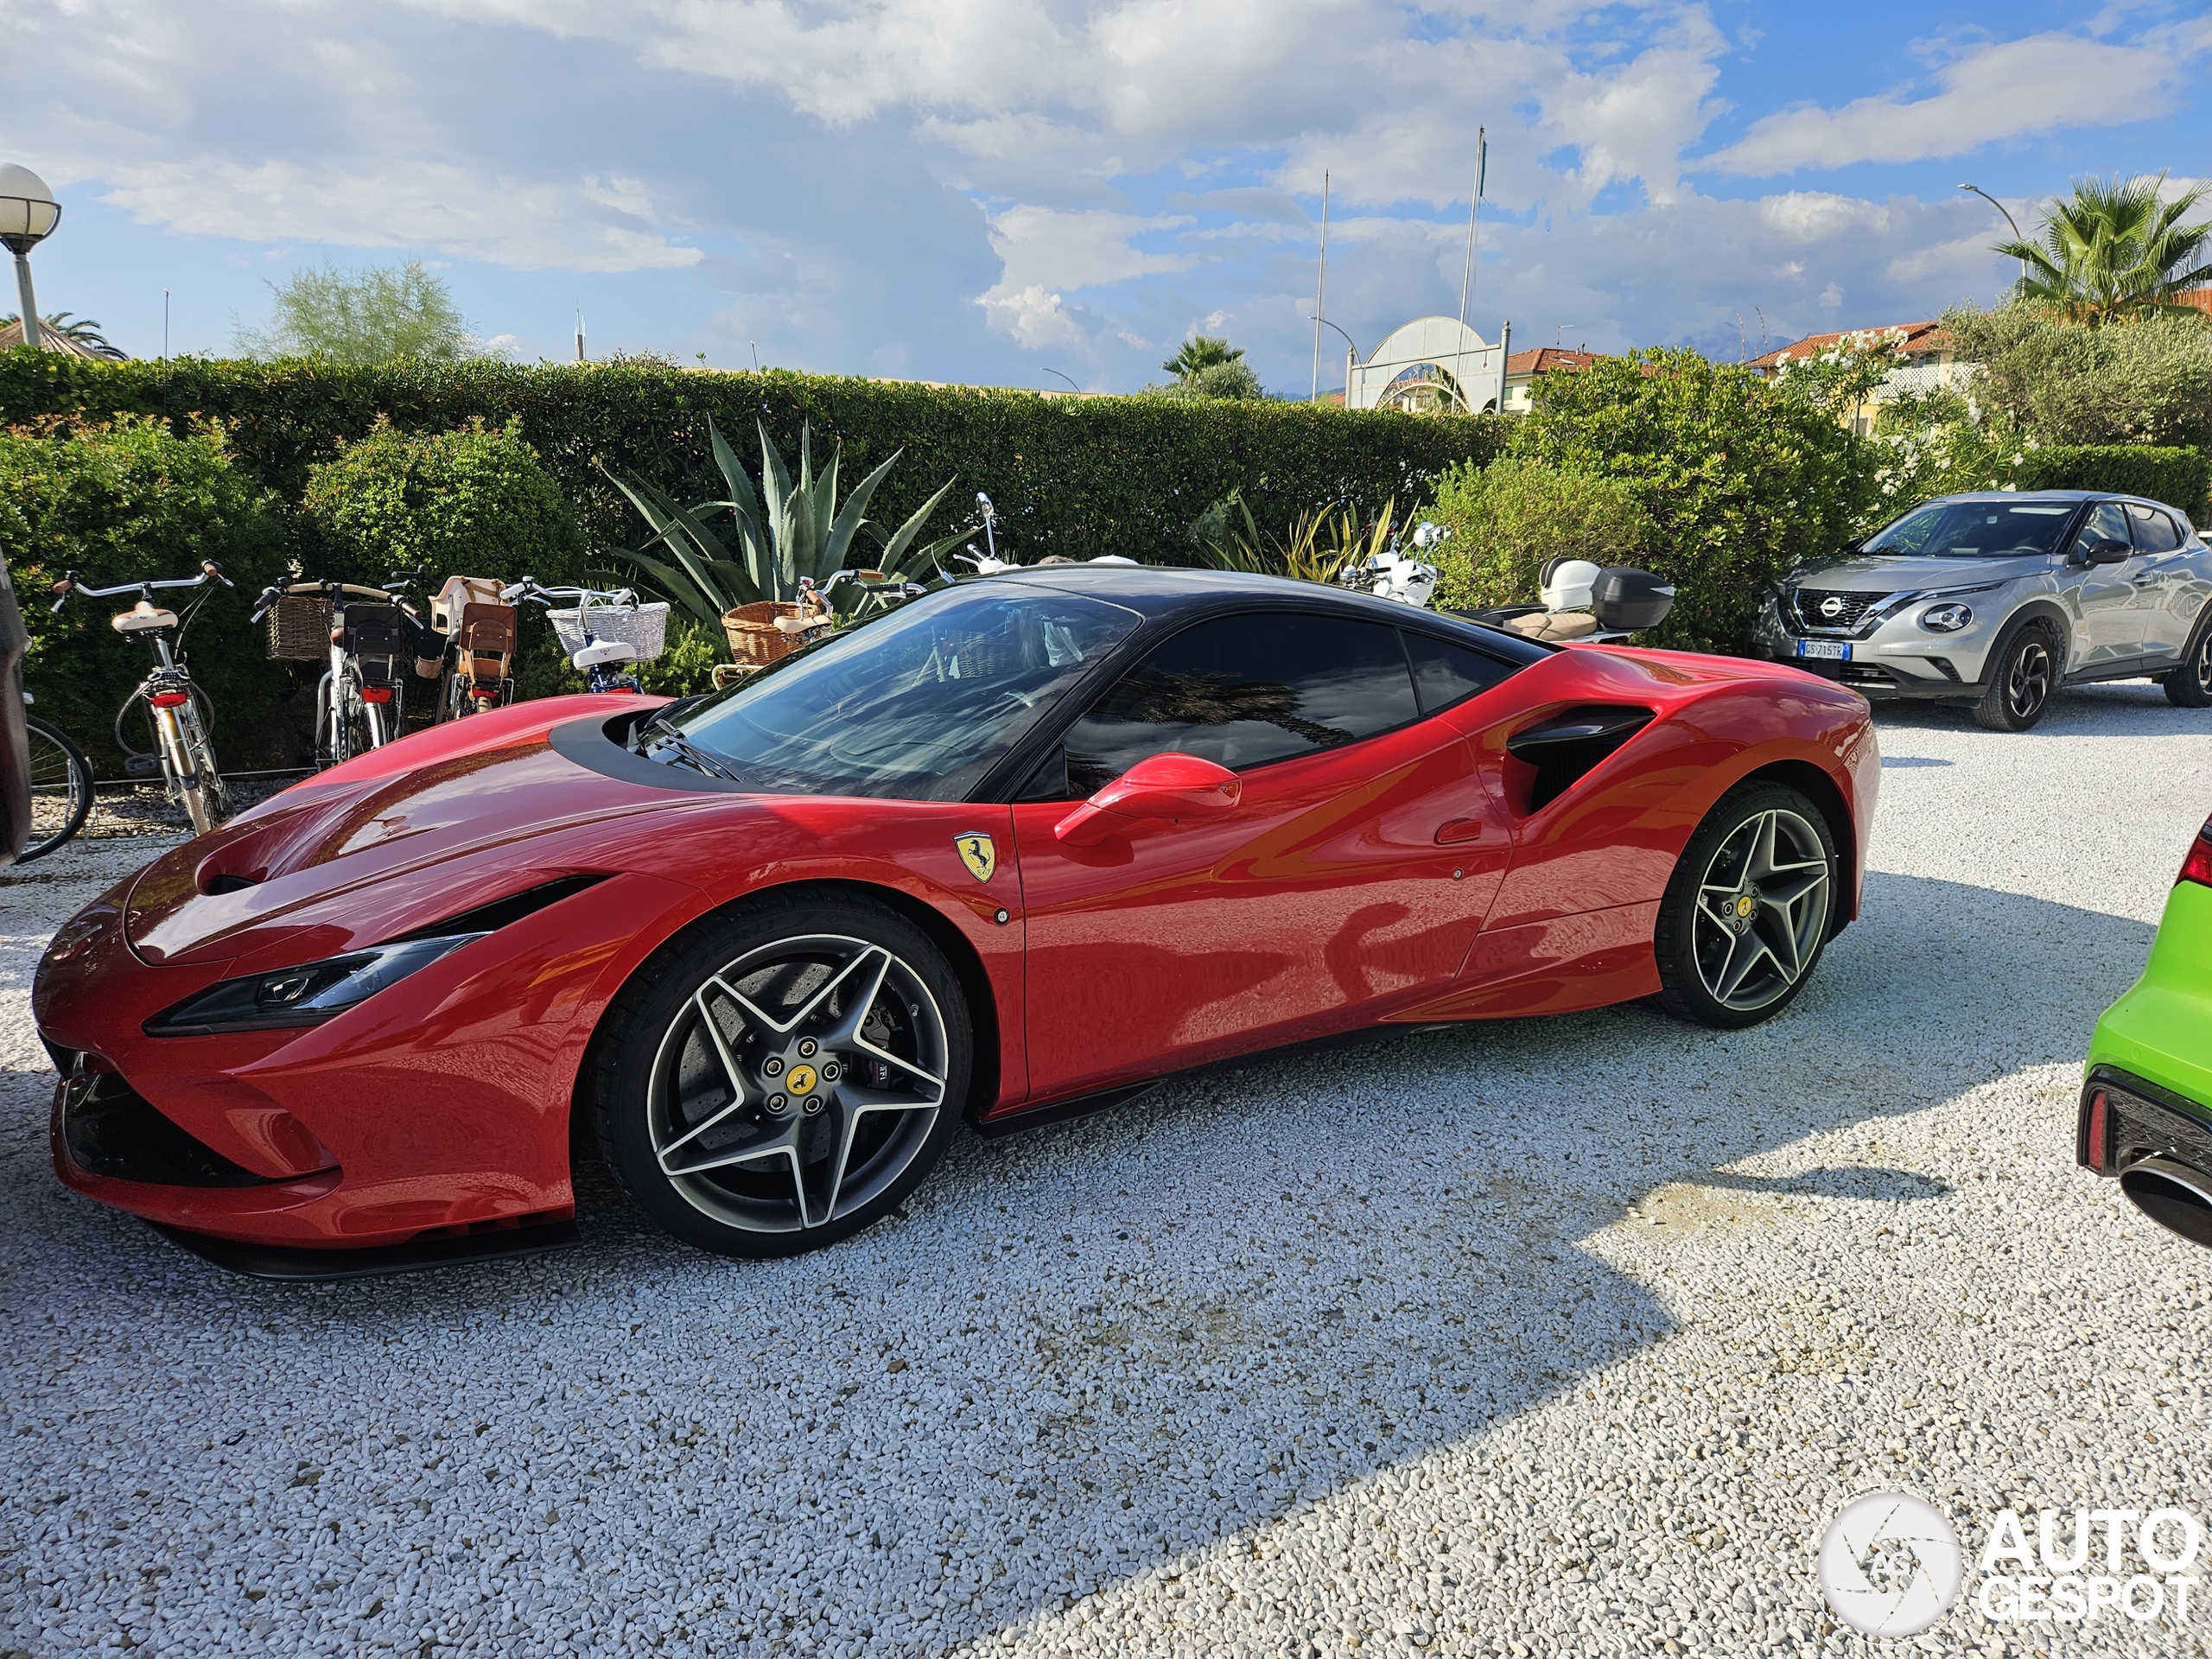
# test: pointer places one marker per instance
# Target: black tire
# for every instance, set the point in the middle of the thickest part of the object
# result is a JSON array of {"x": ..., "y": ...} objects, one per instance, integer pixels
[
  {"x": 2189, "y": 685},
  {"x": 62, "y": 788},
  {"x": 1790, "y": 885},
  {"x": 887, "y": 1078},
  {"x": 2022, "y": 676}
]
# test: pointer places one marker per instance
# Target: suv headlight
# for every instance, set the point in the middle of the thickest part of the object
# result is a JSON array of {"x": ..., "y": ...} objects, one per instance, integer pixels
[
  {"x": 1945, "y": 619},
  {"x": 306, "y": 996}
]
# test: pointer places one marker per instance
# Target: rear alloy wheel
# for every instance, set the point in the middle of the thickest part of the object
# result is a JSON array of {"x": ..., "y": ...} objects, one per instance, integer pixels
[
  {"x": 1746, "y": 915},
  {"x": 787, "y": 1079},
  {"x": 2021, "y": 681},
  {"x": 2189, "y": 686}
]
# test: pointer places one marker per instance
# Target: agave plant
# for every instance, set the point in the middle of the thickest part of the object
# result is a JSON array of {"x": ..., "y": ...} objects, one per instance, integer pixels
[
  {"x": 791, "y": 530},
  {"x": 1318, "y": 545}
]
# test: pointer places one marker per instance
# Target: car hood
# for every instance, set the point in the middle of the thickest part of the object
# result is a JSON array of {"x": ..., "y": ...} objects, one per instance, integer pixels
[
  {"x": 444, "y": 804},
  {"x": 1880, "y": 573}
]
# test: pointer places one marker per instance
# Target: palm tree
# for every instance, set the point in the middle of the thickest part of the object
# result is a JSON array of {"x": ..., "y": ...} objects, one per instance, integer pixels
[
  {"x": 1200, "y": 353},
  {"x": 89, "y": 341},
  {"x": 2114, "y": 251}
]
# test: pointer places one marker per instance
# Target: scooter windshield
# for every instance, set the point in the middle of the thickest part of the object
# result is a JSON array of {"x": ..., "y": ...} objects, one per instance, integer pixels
[{"x": 917, "y": 705}]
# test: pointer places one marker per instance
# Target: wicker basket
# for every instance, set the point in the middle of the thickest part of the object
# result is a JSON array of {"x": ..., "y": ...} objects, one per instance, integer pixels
[
  {"x": 299, "y": 629},
  {"x": 643, "y": 628},
  {"x": 754, "y": 636}
]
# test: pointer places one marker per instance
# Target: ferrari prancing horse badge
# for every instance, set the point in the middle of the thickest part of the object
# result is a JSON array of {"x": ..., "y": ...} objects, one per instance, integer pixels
[{"x": 978, "y": 855}]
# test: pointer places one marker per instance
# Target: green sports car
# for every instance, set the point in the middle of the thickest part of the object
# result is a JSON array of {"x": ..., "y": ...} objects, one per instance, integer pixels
[{"x": 2146, "y": 1100}]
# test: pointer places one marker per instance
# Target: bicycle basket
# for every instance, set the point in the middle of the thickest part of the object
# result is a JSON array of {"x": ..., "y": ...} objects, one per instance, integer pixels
[
  {"x": 299, "y": 629},
  {"x": 753, "y": 633},
  {"x": 372, "y": 630},
  {"x": 645, "y": 629}
]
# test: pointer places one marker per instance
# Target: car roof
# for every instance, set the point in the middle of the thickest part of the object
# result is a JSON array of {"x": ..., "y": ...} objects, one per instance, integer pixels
[
  {"x": 2071, "y": 497},
  {"x": 1166, "y": 594}
]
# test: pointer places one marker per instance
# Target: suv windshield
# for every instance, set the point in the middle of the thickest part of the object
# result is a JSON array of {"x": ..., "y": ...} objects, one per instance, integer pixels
[
  {"x": 1975, "y": 530},
  {"x": 916, "y": 705}
]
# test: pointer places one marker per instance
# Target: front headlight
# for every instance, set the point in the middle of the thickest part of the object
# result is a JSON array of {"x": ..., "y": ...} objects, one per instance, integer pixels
[
  {"x": 306, "y": 996},
  {"x": 1945, "y": 619}
]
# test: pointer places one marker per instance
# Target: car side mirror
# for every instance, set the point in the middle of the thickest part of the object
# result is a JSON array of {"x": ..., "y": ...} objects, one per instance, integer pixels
[
  {"x": 2109, "y": 551},
  {"x": 1158, "y": 786}
]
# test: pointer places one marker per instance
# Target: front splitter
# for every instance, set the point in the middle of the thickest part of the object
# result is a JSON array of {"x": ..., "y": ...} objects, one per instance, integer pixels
[{"x": 293, "y": 1264}]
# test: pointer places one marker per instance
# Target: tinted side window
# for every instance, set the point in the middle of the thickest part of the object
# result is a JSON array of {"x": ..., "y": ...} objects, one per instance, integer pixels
[
  {"x": 2106, "y": 522},
  {"x": 1445, "y": 673},
  {"x": 2154, "y": 531},
  {"x": 1245, "y": 690}
]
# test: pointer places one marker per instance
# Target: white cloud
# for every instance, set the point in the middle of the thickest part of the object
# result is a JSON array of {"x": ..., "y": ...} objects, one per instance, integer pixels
[
  {"x": 1991, "y": 91},
  {"x": 526, "y": 226}
]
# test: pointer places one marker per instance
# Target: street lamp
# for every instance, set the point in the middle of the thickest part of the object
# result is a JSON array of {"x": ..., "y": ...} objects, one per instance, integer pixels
[
  {"x": 2009, "y": 219},
  {"x": 28, "y": 213}
]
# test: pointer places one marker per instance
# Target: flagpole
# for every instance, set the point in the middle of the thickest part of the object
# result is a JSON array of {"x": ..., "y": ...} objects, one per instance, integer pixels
[
  {"x": 1467, "y": 275},
  {"x": 1321, "y": 284}
]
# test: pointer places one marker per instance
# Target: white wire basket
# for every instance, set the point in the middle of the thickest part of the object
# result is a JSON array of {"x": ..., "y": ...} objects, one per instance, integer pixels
[{"x": 642, "y": 627}]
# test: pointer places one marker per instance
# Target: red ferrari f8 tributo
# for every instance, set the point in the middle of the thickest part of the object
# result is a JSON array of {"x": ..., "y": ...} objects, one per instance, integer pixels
[{"x": 1020, "y": 848}]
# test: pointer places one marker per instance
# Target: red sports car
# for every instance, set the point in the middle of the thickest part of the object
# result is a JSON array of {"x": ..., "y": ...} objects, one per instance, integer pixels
[{"x": 1020, "y": 848}]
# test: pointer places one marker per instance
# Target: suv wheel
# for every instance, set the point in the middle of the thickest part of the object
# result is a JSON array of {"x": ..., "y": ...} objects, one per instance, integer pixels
[
  {"x": 2189, "y": 686},
  {"x": 2021, "y": 681}
]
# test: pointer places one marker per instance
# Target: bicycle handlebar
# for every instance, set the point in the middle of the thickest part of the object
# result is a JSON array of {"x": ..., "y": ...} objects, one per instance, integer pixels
[
  {"x": 71, "y": 583},
  {"x": 271, "y": 593},
  {"x": 528, "y": 588}
]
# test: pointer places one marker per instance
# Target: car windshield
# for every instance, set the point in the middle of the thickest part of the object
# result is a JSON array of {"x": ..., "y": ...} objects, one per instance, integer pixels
[
  {"x": 1975, "y": 530},
  {"x": 916, "y": 705}
]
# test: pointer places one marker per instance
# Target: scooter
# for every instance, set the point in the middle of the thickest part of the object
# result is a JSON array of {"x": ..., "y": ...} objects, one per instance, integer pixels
[{"x": 1585, "y": 602}]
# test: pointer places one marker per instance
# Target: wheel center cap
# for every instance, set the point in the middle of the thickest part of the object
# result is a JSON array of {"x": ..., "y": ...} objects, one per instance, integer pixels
[
  {"x": 800, "y": 1080},
  {"x": 1744, "y": 905}
]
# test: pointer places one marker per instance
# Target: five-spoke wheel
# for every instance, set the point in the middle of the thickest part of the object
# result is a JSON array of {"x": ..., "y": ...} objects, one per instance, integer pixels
[
  {"x": 787, "y": 1078},
  {"x": 1749, "y": 908}
]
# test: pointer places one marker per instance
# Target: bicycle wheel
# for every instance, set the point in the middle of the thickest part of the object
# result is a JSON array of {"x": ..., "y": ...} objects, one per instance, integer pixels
[{"x": 61, "y": 788}]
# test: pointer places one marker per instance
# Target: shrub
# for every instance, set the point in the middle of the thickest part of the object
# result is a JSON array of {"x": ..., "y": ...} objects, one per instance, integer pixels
[
  {"x": 471, "y": 501},
  {"x": 1741, "y": 477},
  {"x": 688, "y": 665},
  {"x": 1077, "y": 476},
  {"x": 2057, "y": 383},
  {"x": 125, "y": 500},
  {"x": 2177, "y": 477},
  {"x": 1510, "y": 519}
]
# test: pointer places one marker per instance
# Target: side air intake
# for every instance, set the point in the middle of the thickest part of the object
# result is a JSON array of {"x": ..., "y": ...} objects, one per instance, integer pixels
[{"x": 1567, "y": 744}]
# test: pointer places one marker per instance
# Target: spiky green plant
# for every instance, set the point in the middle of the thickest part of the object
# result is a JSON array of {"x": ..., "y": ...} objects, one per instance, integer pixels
[
  {"x": 790, "y": 528},
  {"x": 1317, "y": 546}
]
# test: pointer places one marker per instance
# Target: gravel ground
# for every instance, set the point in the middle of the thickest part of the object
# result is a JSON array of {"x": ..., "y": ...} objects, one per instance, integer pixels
[{"x": 1562, "y": 1335}]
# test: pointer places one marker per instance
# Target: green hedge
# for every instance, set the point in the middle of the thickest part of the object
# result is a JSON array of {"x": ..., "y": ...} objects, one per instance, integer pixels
[
  {"x": 2179, "y": 477},
  {"x": 1077, "y": 476}
]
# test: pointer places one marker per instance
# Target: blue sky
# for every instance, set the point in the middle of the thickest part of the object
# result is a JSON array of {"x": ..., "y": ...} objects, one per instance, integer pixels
[{"x": 990, "y": 190}]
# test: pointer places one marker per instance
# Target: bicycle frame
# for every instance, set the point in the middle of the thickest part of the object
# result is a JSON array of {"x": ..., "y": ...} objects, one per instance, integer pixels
[{"x": 349, "y": 691}]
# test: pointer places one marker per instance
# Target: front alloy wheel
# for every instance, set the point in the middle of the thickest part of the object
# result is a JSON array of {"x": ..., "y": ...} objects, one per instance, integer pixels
[
  {"x": 2020, "y": 687},
  {"x": 800, "y": 1080},
  {"x": 1747, "y": 913}
]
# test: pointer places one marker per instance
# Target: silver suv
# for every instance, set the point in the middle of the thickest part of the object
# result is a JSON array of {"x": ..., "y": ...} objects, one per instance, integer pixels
[{"x": 1997, "y": 599}]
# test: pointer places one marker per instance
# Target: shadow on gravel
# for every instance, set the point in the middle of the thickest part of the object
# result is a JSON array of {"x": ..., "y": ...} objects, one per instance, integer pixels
[
  {"x": 1085, "y": 1350},
  {"x": 2119, "y": 708}
]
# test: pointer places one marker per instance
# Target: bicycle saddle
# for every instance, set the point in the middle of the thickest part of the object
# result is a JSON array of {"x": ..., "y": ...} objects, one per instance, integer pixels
[
  {"x": 600, "y": 653},
  {"x": 141, "y": 618}
]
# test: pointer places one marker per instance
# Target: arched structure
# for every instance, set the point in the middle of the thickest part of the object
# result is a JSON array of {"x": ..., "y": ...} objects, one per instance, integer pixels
[{"x": 1429, "y": 359}]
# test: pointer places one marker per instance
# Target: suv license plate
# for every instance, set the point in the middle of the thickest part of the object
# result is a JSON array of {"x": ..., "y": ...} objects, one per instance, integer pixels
[{"x": 1835, "y": 650}]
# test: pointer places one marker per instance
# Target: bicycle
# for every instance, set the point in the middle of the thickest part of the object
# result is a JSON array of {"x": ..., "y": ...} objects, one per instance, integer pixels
[
  {"x": 173, "y": 703},
  {"x": 603, "y": 632},
  {"x": 360, "y": 703},
  {"x": 61, "y": 787},
  {"x": 479, "y": 625}
]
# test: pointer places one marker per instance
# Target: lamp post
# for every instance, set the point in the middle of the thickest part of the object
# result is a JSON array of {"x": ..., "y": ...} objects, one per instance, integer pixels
[
  {"x": 2009, "y": 219},
  {"x": 28, "y": 213}
]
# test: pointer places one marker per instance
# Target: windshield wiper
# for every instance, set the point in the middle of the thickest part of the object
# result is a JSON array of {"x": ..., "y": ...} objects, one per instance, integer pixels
[{"x": 686, "y": 750}]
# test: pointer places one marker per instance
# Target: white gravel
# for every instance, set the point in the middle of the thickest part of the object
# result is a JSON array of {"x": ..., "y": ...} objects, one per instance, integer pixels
[{"x": 1556, "y": 1336}]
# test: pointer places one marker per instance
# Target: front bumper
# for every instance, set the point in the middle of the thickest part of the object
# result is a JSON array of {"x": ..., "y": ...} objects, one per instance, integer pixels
[
  {"x": 1897, "y": 658},
  {"x": 435, "y": 1110}
]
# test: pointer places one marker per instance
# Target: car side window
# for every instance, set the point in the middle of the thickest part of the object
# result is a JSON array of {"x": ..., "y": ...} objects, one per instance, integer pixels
[
  {"x": 1242, "y": 691},
  {"x": 1445, "y": 673},
  {"x": 2155, "y": 531},
  {"x": 2106, "y": 522}
]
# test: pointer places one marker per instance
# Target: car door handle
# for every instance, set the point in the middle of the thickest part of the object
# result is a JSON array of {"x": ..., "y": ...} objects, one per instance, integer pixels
[{"x": 1458, "y": 830}]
